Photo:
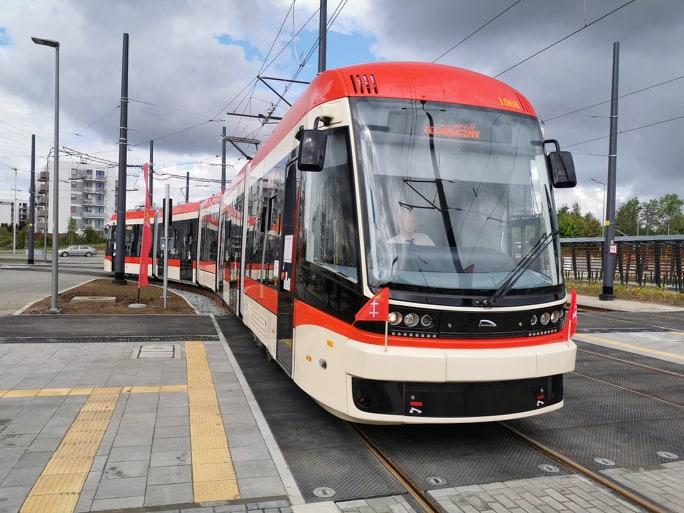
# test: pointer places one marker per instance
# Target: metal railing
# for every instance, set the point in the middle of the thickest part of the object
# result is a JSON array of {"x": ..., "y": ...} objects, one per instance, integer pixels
[{"x": 645, "y": 260}]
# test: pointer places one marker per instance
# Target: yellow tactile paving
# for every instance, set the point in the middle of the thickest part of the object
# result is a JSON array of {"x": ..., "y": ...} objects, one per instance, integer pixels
[
  {"x": 57, "y": 503},
  {"x": 214, "y": 490},
  {"x": 20, "y": 393},
  {"x": 213, "y": 474},
  {"x": 104, "y": 391},
  {"x": 174, "y": 388},
  {"x": 67, "y": 466},
  {"x": 52, "y": 484},
  {"x": 53, "y": 392},
  {"x": 58, "y": 488}
]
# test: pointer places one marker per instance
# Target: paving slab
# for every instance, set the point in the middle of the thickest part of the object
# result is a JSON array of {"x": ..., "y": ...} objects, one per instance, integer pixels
[
  {"x": 105, "y": 328},
  {"x": 136, "y": 448}
]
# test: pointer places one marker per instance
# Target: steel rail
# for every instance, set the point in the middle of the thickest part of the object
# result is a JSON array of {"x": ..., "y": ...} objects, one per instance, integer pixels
[
  {"x": 421, "y": 498},
  {"x": 643, "y": 394},
  {"x": 643, "y": 365},
  {"x": 565, "y": 460}
]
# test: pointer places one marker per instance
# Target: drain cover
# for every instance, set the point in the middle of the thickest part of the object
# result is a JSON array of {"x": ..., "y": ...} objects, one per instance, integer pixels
[
  {"x": 323, "y": 492},
  {"x": 157, "y": 351},
  {"x": 667, "y": 455},
  {"x": 605, "y": 461},
  {"x": 436, "y": 480}
]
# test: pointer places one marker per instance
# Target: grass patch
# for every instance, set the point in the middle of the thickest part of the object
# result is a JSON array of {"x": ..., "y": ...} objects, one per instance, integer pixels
[
  {"x": 125, "y": 295},
  {"x": 630, "y": 292}
]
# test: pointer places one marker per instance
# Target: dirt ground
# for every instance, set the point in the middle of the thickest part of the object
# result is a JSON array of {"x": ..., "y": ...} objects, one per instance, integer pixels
[{"x": 125, "y": 294}]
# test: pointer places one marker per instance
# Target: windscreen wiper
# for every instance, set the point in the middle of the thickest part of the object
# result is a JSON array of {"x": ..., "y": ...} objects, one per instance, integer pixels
[{"x": 520, "y": 268}]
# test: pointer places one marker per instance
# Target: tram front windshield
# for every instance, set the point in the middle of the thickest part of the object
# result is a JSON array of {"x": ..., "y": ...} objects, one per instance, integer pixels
[{"x": 455, "y": 197}]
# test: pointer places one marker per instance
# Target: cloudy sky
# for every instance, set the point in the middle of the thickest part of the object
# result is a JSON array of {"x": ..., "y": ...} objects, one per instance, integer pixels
[{"x": 191, "y": 61}]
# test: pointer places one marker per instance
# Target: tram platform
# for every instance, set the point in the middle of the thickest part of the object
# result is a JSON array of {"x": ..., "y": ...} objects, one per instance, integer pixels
[{"x": 130, "y": 425}]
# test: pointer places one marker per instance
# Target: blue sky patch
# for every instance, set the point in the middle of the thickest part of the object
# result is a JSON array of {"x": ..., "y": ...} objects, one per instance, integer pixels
[
  {"x": 251, "y": 52},
  {"x": 343, "y": 50},
  {"x": 4, "y": 37}
]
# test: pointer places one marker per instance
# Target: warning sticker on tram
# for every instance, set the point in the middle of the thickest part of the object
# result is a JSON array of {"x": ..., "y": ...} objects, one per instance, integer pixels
[{"x": 459, "y": 131}]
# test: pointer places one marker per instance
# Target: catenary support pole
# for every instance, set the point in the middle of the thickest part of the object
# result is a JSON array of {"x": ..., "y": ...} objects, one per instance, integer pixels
[
  {"x": 151, "y": 185},
  {"x": 120, "y": 248},
  {"x": 223, "y": 159},
  {"x": 15, "y": 215},
  {"x": 609, "y": 256},
  {"x": 322, "y": 32},
  {"x": 32, "y": 204},
  {"x": 187, "y": 186}
]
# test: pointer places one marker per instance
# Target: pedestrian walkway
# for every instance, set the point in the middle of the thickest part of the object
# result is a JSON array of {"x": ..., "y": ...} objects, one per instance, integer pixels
[
  {"x": 105, "y": 328},
  {"x": 98, "y": 427},
  {"x": 624, "y": 305}
]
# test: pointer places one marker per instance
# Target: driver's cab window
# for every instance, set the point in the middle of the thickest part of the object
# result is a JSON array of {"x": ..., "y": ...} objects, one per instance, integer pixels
[{"x": 329, "y": 215}]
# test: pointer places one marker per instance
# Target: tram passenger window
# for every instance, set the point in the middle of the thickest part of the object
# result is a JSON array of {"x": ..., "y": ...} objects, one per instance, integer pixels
[
  {"x": 132, "y": 240},
  {"x": 329, "y": 213}
]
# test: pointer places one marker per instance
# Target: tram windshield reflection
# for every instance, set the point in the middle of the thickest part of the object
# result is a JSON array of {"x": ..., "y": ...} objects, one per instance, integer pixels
[{"x": 455, "y": 196}]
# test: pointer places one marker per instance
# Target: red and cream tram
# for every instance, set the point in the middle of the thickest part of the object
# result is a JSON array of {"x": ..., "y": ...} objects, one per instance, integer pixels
[{"x": 427, "y": 179}]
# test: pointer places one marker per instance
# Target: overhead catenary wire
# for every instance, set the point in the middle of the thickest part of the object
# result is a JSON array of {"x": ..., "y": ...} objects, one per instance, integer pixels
[
  {"x": 79, "y": 133},
  {"x": 330, "y": 22},
  {"x": 587, "y": 107},
  {"x": 628, "y": 130},
  {"x": 478, "y": 29},
  {"x": 564, "y": 38}
]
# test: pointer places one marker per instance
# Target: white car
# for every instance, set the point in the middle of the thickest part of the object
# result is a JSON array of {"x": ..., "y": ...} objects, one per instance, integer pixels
[{"x": 78, "y": 251}]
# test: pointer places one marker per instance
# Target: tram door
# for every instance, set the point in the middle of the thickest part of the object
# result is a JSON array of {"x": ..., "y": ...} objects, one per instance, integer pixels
[{"x": 286, "y": 283}]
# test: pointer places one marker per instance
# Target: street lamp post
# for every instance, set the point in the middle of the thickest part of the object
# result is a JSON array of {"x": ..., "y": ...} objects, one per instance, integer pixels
[
  {"x": 14, "y": 214},
  {"x": 603, "y": 221},
  {"x": 54, "y": 306}
]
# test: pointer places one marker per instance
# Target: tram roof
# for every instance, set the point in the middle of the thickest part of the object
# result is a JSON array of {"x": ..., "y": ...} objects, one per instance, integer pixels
[{"x": 405, "y": 80}]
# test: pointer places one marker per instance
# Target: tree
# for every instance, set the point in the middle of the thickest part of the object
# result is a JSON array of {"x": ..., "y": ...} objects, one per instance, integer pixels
[
  {"x": 71, "y": 230},
  {"x": 670, "y": 209},
  {"x": 91, "y": 236},
  {"x": 627, "y": 216},
  {"x": 653, "y": 216},
  {"x": 571, "y": 222}
]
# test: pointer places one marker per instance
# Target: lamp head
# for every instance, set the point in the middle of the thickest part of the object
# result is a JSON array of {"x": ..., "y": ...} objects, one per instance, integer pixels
[{"x": 45, "y": 42}]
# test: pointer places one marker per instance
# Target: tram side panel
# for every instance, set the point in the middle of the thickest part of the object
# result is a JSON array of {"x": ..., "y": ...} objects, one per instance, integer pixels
[
  {"x": 262, "y": 255},
  {"x": 182, "y": 243},
  {"x": 209, "y": 245},
  {"x": 232, "y": 252}
]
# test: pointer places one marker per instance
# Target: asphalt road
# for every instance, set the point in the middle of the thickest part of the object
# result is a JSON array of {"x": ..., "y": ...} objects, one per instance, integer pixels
[{"x": 19, "y": 286}]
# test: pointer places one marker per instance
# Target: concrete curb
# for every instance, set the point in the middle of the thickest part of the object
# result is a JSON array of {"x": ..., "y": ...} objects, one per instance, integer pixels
[
  {"x": 29, "y": 305},
  {"x": 293, "y": 493}
]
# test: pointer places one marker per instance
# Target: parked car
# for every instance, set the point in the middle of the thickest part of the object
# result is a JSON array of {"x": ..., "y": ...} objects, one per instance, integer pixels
[{"x": 78, "y": 251}]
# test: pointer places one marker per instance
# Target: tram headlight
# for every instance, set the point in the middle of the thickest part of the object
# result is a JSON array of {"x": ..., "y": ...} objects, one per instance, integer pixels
[
  {"x": 426, "y": 320},
  {"x": 545, "y": 318},
  {"x": 394, "y": 318},
  {"x": 533, "y": 320},
  {"x": 555, "y": 316},
  {"x": 411, "y": 320}
]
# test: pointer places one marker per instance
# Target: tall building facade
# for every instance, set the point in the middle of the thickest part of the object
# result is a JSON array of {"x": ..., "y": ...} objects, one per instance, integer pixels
[{"x": 86, "y": 195}]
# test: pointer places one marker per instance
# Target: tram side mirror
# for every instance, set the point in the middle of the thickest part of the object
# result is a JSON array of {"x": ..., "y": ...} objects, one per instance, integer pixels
[
  {"x": 562, "y": 167},
  {"x": 312, "y": 144}
]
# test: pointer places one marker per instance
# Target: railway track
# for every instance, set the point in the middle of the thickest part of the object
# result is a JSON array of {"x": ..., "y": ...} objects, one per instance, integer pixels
[{"x": 428, "y": 505}]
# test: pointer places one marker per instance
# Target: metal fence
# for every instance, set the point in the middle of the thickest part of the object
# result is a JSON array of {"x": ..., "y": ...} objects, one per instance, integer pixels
[{"x": 646, "y": 260}]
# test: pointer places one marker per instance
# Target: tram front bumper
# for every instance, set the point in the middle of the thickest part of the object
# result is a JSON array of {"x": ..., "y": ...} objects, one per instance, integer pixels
[
  {"x": 411, "y": 385},
  {"x": 459, "y": 365}
]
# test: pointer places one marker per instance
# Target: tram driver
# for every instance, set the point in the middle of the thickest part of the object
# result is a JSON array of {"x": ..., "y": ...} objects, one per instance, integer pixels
[{"x": 407, "y": 230}]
